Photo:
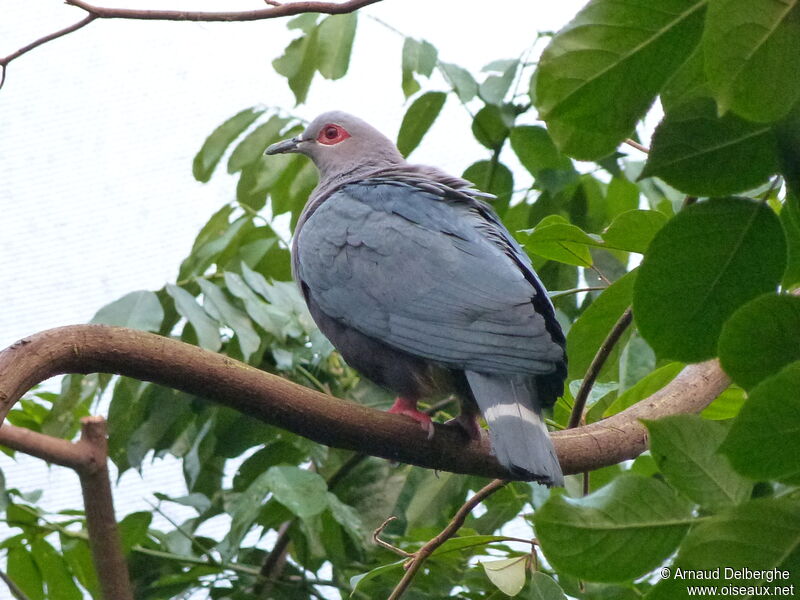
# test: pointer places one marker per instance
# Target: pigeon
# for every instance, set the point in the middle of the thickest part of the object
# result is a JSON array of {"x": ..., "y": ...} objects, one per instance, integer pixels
[{"x": 410, "y": 274}]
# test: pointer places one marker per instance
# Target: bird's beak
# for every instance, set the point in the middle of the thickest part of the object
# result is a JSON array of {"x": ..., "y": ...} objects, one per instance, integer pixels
[{"x": 283, "y": 147}]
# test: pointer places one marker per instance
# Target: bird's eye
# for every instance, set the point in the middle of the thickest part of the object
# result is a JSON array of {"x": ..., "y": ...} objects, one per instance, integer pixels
[{"x": 332, "y": 134}]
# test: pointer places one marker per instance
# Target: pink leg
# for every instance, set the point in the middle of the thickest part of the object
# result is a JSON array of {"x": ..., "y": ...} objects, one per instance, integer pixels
[{"x": 408, "y": 407}]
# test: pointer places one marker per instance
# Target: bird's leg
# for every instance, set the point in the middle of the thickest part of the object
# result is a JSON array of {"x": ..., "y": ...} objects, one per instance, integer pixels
[
  {"x": 467, "y": 421},
  {"x": 408, "y": 407}
]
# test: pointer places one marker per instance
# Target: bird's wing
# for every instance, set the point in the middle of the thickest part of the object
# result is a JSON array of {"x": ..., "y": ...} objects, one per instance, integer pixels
[{"x": 435, "y": 277}]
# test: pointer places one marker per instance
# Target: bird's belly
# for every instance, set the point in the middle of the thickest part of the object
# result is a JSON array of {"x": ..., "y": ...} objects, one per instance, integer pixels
[{"x": 403, "y": 373}]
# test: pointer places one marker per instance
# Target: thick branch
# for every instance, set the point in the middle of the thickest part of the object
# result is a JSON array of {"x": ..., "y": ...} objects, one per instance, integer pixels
[
  {"x": 101, "y": 523},
  {"x": 281, "y": 10},
  {"x": 325, "y": 419},
  {"x": 53, "y": 450}
]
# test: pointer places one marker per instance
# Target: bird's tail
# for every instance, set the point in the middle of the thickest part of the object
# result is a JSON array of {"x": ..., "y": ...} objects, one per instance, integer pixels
[{"x": 519, "y": 436}]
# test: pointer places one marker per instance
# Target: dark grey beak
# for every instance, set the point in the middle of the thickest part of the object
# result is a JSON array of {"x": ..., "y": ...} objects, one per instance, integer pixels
[{"x": 284, "y": 146}]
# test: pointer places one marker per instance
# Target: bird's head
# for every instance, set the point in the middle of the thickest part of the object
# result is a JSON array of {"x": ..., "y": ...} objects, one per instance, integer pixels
[{"x": 340, "y": 143}]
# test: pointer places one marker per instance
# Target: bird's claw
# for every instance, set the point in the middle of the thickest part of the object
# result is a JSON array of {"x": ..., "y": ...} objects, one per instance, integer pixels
[{"x": 402, "y": 406}]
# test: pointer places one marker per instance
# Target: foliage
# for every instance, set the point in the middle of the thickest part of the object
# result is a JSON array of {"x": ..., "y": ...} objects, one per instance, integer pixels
[{"x": 715, "y": 490}]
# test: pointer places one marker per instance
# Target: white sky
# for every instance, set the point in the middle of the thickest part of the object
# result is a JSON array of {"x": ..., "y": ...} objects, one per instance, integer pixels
[{"x": 98, "y": 130}]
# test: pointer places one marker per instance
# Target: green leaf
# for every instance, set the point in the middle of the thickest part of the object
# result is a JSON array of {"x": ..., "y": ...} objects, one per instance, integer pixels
[
  {"x": 633, "y": 230},
  {"x": 790, "y": 219},
  {"x": 645, "y": 387},
  {"x": 55, "y": 572},
  {"x": 592, "y": 327},
  {"x": 79, "y": 561},
  {"x": 335, "y": 39},
  {"x": 261, "y": 312},
  {"x": 434, "y": 496},
  {"x": 243, "y": 511},
  {"x": 217, "y": 143},
  {"x": 491, "y": 126},
  {"x": 214, "y": 239},
  {"x": 298, "y": 63},
  {"x": 462, "y": 82},
  {"x": 636, "y": 361},
  {"x": 751, "y": 56},
  {"x": 564, "y": 242},
  {"x": 206, "y": 328},
  {"x": 544, "y": 587},
  {"x": 22, "y": 570},
  {"x": 137, "y": 310},
  {"x": 133, "y": 529},
  {"x": 702, "y": 154},
  {"x": 251, "y": 149},
  {"x": 688, "y": 82},
  {"x": 704, "y": 263},
  {"x": 760, "y": 338},
  {"x": 725, "y": 406},
  {"x": 493, "y": 178},
  {"x": 301, "y": 491},
  {"x": 537, "y": 152},
  {"x": 358, "y": 580},
  {"x": 741, "y": 549},
  {"x": 600, "y": 74},
  {"x": 685, "y": 448},
  {"x": 508, "y": 574},
  {"x": 495, "y": 87},
  {"x": 418, "y": 120},
  {"x": 418, "y": 57},
  {"x": 763, "y": 443},
  {"x": 621, "y": 531},
  {"x": 222, "y": 310}
]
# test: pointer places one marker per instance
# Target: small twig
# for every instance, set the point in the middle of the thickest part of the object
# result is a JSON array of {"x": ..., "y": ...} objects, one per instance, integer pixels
[
  {"x": 377, "y": 539},
  {"x": 596, "y": 365},
  {"x": 36, "y": 43},
  {"x": 638, "y": 146},
  {"x": 421, "y": 555},
  {"x": 274, "y": 11}
]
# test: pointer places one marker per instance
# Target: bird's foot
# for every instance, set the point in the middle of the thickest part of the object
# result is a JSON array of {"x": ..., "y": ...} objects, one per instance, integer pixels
[
  {"x": 407, "y": 407},
  {"x": 468, "y": 424}
]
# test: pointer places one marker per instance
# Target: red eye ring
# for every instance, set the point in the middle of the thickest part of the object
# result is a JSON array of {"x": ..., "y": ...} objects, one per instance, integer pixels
[{"x": 332, "y": 134}]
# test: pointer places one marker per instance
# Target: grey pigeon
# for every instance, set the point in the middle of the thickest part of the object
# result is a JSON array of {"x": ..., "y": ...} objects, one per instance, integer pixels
[{"x": 420, "y": 287}]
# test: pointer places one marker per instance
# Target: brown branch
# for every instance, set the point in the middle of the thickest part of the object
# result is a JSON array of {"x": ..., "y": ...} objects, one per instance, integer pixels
[
  {"x": 596, "y": 366},
  {"x": 53, "y": 450},
  {"x": 104, "y": 538},
  {"x": 421, "y": 555},
  {"x": 630, "y": 142},
  {"x": 274, "y": 11},
  {"x": 4, "y": 61},
  {"x": 322, "y": 418},
  {"x": 89, "y": 458}
]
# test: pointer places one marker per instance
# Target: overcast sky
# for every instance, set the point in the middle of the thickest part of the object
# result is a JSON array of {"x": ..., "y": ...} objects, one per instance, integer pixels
[{"x": 98, "y": 130}]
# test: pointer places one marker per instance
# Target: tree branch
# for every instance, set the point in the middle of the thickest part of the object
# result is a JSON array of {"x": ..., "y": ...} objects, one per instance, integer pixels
[
  {"x": 285, "y": 9},
  {"x": 596, "y": 366},
  {"x": 101, "y": 523},
  {"x": 275, "y": 11},
  {"x": 43, "y": 40},
  {"x": 322, "y": 418},
  {"x": 421, "y": 555},
  {"x": 89, "y": 458}
]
